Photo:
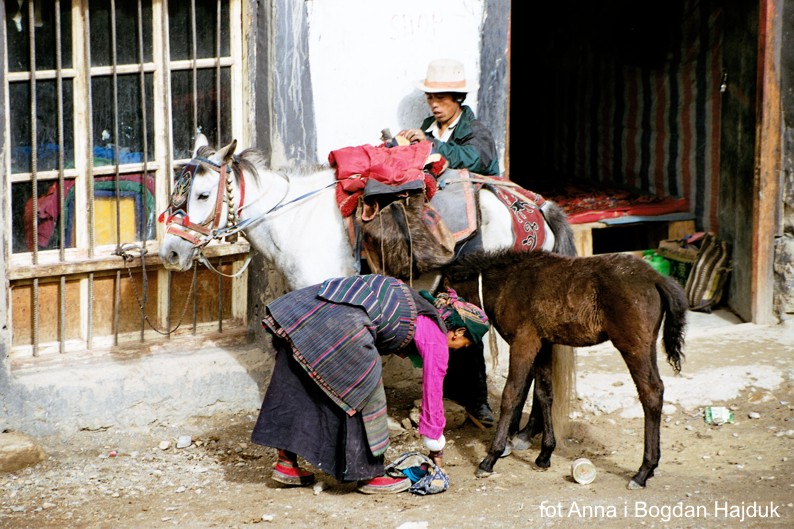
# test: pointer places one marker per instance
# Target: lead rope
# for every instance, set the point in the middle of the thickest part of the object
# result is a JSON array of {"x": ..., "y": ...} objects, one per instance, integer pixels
[
  {"x": 127, "y": 257},
  {"x": 206, "y": 262},
  {"x": 410, "y": 244},
  {"x": 493, "y": 343}
]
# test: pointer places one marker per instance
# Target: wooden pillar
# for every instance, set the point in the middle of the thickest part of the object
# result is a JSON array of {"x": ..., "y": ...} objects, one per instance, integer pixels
[{"x": 768, "y": 163}]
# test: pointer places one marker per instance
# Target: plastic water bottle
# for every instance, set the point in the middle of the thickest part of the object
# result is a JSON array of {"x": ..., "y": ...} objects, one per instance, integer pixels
[
  {"x": 657, "y": 262},
  {"x": 661, "y": 265}
]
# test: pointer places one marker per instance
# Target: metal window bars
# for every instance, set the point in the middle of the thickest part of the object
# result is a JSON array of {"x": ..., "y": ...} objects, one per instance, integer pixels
[{"x": 85, "y": 237}]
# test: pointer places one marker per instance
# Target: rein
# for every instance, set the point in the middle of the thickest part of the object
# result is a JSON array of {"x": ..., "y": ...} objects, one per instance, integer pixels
[
  {"x": 125, "y": 252},
  {"x": 246, "y": 223}
]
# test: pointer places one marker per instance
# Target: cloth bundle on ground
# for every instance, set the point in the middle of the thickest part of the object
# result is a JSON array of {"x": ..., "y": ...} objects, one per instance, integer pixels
[{"x": 426, "y": 477}]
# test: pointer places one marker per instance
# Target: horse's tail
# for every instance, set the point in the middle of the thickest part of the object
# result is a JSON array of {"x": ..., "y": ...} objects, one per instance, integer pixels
[
  {"x": 563, "y": 233},
  {"x": 676, "y": 307}
]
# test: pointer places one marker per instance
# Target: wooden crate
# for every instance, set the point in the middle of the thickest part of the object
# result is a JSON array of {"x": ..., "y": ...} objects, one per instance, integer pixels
[{"x": 583, "y": 233}]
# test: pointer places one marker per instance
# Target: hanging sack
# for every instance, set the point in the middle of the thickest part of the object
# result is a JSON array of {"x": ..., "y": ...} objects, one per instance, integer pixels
[
  {"x": 709, "y": 274},
  {"x": 402, "y": 233}
]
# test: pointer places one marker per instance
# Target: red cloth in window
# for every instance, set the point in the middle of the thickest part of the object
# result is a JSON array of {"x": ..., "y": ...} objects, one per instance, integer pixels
[
  {"x": 49, "y": 205},
  {"x": 48, "y": 208}
]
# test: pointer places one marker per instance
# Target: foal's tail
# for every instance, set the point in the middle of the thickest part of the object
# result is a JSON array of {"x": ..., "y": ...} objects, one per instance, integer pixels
[{"x": 676, "y": 307}]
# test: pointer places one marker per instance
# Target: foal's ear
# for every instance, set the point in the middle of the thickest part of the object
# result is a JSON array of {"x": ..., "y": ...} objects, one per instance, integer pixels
[
  {"x": 201, "y": 141},
  {"x": 225, "y": 153}
]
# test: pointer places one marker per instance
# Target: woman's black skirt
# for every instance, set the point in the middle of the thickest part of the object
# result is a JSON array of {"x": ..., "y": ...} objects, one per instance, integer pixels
[{"x": 297, "y": 416}]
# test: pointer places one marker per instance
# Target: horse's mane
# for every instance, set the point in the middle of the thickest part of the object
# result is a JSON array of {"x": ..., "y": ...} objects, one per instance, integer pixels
[
  {"x": 253, "y": 162},
  {"x": 471, "y": 265},
  {"x": 303, "y": 170}
]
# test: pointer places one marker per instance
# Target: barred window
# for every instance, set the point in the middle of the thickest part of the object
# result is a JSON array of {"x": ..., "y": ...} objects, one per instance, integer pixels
[{"x": 104, "y": 99}]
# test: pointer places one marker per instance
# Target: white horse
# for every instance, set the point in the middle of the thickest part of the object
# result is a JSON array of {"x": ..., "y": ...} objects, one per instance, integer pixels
[{"x": 293, "y": 219}]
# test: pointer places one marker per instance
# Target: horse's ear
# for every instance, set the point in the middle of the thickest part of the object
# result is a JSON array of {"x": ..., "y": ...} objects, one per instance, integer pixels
[
  {"x": 225, "y": 153},
  {"x": 178, "y": 170},
  {"x": 201, "y": 141}
]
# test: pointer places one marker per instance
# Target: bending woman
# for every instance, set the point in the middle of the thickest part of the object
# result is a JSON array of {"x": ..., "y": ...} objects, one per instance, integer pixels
[{"x": 325, "y": 401}]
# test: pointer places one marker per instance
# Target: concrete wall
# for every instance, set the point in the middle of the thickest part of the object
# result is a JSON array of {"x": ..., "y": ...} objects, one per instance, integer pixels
[{"x": 165, "y": 388}]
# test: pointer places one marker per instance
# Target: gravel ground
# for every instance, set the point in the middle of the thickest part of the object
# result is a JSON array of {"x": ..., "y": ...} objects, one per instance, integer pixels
[{"x": 739, "y": 474}]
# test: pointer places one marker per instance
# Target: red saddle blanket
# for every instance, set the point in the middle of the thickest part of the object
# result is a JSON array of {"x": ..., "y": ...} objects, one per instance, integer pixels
[
  {"x": 393, "y": 166},
  {"x": 529, "y": 225}
]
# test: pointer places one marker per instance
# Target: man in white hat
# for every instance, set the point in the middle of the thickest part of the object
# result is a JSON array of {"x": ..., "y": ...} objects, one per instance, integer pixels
[
  {"x": 466, "y": 143},
  {"x": 456, "y": 133}
]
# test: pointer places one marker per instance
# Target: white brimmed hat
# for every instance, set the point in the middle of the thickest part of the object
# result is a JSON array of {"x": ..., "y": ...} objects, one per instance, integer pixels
[{"x": 445, "y": 75}]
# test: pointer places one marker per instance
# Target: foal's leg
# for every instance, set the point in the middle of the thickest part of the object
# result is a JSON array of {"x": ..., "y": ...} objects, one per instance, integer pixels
[
  {"x": 523, "y": 439},
  {"x": 641, "y": 361},
  {"x": 544, "y": 397},
  {"x": 522, "y": 355},
  {"x": 518, "y": 413}
]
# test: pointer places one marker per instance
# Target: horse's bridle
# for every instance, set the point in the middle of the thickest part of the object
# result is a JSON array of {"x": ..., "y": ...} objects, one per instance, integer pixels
[
  {"x": 178, "y": 221},
  {"x": 176, "y": 217}
]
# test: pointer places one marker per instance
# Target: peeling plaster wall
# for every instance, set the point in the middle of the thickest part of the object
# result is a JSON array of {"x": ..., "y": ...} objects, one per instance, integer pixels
[{"x": 329, "y": 74}]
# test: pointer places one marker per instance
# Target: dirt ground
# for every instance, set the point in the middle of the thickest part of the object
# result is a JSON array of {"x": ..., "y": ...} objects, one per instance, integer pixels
[{"x": 738, "y": 474}]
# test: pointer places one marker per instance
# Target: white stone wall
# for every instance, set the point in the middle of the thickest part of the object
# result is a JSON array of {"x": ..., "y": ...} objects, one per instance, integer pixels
[{"x": 363, "y": 76}]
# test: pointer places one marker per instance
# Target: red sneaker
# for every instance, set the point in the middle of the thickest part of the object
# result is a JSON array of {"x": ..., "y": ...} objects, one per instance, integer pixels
[
  {"x": 384, "y": 485},
  {"x": 291, "y": 475}
]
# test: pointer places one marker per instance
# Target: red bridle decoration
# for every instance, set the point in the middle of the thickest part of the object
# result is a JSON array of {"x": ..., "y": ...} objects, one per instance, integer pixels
[{"x": 178, "y": 221}]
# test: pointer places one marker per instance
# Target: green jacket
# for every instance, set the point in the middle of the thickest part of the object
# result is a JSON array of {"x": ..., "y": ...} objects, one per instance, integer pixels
[{"x": 471, "y": 145}]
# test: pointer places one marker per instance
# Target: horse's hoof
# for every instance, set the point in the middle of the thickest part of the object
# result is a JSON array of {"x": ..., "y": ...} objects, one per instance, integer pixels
[
  {"x": 483, "y": 473},
  {"x": 543, "y": 463},
  {"x": 519, "y": 443},
  {"x": 508, "y": 449},
  {"x": 633, "y": 485}
]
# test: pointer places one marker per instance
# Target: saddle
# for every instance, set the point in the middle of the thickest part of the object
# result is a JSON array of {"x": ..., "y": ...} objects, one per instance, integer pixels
[
  {"x": 424, "y": 217},
  {"x": 402, "y": 234}
]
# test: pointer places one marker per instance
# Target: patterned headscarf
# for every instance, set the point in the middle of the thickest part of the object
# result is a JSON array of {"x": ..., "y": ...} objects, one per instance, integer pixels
[{"x": 458, "y": 313}]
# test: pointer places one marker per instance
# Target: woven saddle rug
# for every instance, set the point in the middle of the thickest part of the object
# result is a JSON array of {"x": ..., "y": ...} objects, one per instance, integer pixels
[
  {"x": 407, "y": 236},
  {"x": 456, "y": 202}
]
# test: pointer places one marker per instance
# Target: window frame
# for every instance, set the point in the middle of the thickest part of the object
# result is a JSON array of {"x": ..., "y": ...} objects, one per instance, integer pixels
[{"x": 86, "y": 258}]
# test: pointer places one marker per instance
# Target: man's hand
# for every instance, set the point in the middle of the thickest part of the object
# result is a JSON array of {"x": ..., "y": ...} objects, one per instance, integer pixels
[{"x": 412, "y": 135}]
